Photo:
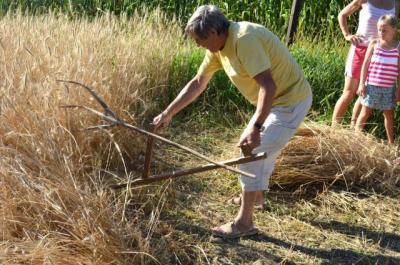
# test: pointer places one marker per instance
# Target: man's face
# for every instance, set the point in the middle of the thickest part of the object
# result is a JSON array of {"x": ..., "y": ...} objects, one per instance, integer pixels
[{"x": 213, "y": 42}]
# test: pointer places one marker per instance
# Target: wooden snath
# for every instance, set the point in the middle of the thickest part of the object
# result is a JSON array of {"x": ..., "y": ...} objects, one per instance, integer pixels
[{"x": 114, "y": 120}]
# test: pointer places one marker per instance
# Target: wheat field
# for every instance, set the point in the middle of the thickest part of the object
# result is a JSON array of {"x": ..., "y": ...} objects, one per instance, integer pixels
[{"x": 55, "y": 208}]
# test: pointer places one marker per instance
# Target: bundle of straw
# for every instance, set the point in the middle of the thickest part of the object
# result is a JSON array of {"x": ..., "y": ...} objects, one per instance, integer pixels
[{"x": 319, "y": 153}]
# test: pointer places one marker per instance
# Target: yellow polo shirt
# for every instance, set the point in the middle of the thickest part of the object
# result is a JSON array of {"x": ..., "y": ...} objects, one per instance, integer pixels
[{"x": 251, "y": 49}]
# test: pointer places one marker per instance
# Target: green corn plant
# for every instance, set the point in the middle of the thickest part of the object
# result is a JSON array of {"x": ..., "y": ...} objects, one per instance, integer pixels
[{"x": 316, "y": 16}]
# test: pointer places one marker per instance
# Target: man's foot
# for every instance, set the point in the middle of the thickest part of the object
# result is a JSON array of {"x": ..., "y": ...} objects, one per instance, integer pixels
[
  {"x": 232, "y": 230},
  {"x": 238, "y": 201}
]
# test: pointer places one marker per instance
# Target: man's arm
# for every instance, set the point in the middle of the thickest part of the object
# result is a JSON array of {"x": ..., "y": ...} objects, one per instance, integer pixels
[
  {"x": 265, "y": 95},
  {"x": 251, "y": 137},
  {"x": 187, "y": 95}
]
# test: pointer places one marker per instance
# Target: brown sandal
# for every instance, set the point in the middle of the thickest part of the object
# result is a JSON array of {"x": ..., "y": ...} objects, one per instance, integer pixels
[{"x": 231, "y": 231}]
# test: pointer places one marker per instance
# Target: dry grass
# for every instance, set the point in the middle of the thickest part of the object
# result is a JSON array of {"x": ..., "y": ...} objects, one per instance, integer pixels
[{"x": 54, "y": 206}]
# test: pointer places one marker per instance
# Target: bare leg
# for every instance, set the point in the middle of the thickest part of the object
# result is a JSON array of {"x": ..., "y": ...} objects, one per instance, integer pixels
[
  {"x": 389, "y": 117},
  {"x": 244, "y": 218},
  {"x": 350, "y": 89},
  {"x": 259, "y": 200},
  {"x": 356, "y": 111},
  {"x": 362, "y": 118},
  {"x": 243, "y": 224}
]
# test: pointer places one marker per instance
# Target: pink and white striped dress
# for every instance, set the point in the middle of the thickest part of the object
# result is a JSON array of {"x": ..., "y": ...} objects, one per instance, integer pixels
[{"x": 383, "y": 68}]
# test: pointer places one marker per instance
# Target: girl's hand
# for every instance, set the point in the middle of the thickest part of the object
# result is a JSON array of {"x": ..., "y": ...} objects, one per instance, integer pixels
[
  {"x": 354, "y": 39},
  {"x": 361, "y": 90}
]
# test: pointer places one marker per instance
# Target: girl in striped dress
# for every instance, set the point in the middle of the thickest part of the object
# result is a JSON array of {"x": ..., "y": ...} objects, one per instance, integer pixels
[{"x": 379, "y": 76}]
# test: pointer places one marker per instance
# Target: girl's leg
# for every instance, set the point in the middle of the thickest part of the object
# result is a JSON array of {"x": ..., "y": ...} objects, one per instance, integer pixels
[
  {"x": 389, "y": 117},
  {"x": 350, "y": 89},
  {"x": 356, "y": 111},
  {"x": 362, "y": 118}
]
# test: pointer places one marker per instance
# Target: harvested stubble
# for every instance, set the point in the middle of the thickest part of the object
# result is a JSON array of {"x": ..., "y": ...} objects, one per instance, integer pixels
[
  {"x": 322, "y": 154},
  {"x": 54, "y": 207}
]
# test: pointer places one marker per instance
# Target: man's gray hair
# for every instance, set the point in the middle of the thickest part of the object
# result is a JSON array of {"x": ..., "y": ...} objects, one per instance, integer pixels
[{"x": 204, "y": 19}]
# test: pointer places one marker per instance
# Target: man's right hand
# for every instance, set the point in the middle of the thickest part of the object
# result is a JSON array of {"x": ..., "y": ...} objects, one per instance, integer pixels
[{"x": 161, "y": 120}]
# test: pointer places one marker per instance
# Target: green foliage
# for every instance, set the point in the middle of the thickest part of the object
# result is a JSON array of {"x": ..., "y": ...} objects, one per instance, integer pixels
[
  {"x": 317, "y": 17},
  {"x": 323, "y": 65}
]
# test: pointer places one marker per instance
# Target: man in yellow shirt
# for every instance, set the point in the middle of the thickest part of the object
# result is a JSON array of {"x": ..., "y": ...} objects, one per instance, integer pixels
[{"x": 266, "y": 74}]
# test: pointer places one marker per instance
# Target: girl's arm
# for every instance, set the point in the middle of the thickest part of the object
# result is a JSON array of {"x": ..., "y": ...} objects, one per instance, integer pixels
[
  {"x": 364, "y": 68},
  {"x": 342, "y": 18}
]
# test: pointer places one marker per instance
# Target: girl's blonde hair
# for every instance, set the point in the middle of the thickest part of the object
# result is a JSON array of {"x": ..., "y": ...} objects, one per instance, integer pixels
[{"x": 389, "y": 20}]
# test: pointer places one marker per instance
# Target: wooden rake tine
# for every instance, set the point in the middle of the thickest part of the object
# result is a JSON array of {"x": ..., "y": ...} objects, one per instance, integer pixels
[
  {"x": 107, "y": 109},
  {"x": 114, "y": 119},
  {"x": 149, "y": 151}
]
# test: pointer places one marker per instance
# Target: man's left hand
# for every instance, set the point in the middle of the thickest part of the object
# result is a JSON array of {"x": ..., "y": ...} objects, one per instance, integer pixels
[{"x": 249, "y": 140}]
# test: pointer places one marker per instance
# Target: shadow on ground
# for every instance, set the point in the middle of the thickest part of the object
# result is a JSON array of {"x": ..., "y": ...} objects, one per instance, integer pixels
[
  {"x": 332, "y": 256},
  {"x": 385, "y": 240},
  {"x": 329, "y": 256}
]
